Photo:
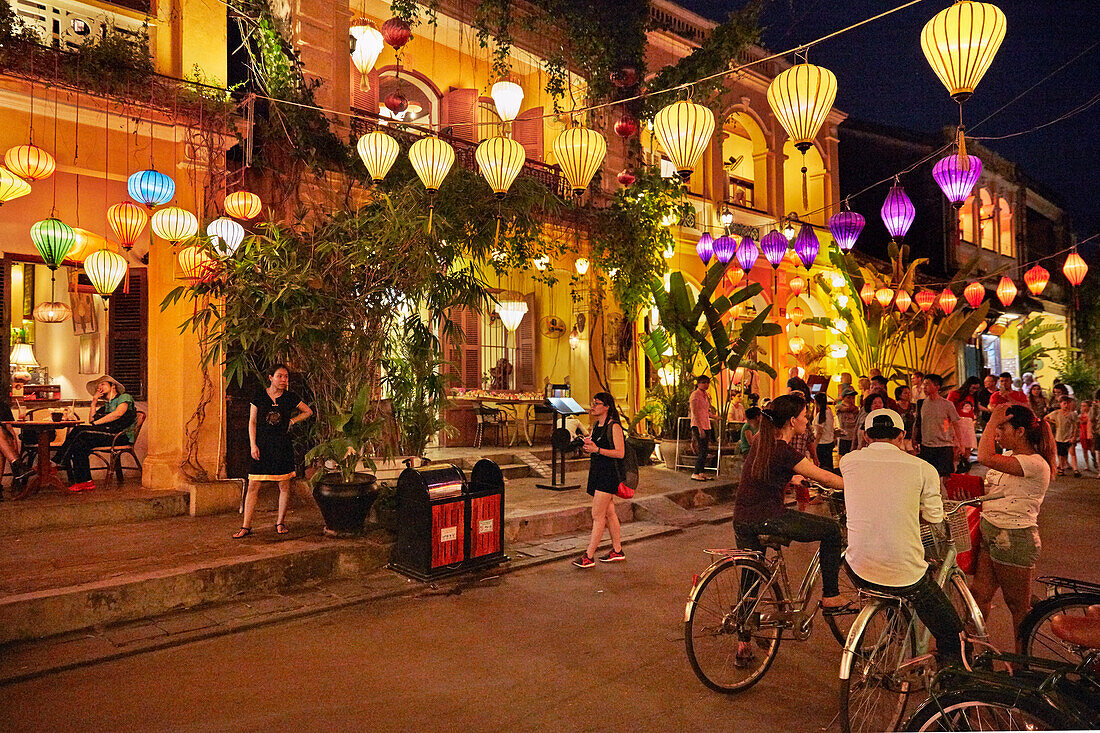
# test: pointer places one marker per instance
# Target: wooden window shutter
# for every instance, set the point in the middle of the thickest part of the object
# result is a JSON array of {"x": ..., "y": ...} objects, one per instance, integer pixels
[
  {"x": 525, "y": 347},
  {"x": 459, "y": 112},
  {"x": 527, "y": 131},
  {"x": 127, "y": 337},
  {"x": 365, "y": 99},
  {"x": 471, "y": 349},
  {"x": 5, "y": 334}
]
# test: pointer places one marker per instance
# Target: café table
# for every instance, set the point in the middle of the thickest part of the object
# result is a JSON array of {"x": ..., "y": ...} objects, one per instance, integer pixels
[
  {"x": 45, "y": 473},
  {"x": 517, "y": 408}
]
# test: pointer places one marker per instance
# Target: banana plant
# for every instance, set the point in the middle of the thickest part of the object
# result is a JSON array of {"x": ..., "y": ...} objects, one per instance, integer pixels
[{"x": 1029, "y": 333}]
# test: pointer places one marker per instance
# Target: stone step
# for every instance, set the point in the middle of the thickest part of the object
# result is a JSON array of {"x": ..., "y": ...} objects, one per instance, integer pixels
[{"x": 55, "y": 510}]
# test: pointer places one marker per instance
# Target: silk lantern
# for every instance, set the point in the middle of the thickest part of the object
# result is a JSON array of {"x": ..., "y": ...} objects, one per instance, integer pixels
[
  {"x": 974, "y": 293},
  {"x": 368, "y": 46},
  {"x": 801, "y": 98},
  {"x": 867, "y": 293},
  {"x": 797, "y": 286},
  {"x": 1075, "y": 268},
  {"x": 796, "y": 344},
  {"x": 806, "y": 245},
  {"x": 747, "y": 253},
  {"x": 225, "y": 235},
  {"x": 53, "y": 238},
  {"x": 960, "y": 42},
  {"x": 684, "y": 130},
  {"x": 52, "y": 311},
  {"x": 884, "y": 296},
  {"x": 1006, "y": 291},
  {"x": 705, "y": 247},
  {"x": 845, "y": 226},
  {"x": 947, "y": 301},
  {"x": 11, "y": 186},
  {"x": 1036, "y": 279},
  {"x": 957, "y": 181},
  {"x": 243, "y": 205},
  {"x": 500, "y": 160},
  {"x": 508, "y": 98},
  {"x": 151, "y": 188},
  {"x": 196, "y": 263},
  {"x": 30, "y": 162},
  {"x": 925, "y": 300},
  {"x": 796, "y": 315},
  {"x": 724, "y": 248},
  {"x": 127, "y": 221},
  {"x": 580, "y": 152},
  {"x": 105, "y": 269},
  {"x": 774, "y": 245},
  {"x": 174, "y": 224},
  {"x": 432, "y": 159},
  {"x": 902, "y": 301},
  {"x": 898, "y": 212},
  {"x": 378, "y": 152}
]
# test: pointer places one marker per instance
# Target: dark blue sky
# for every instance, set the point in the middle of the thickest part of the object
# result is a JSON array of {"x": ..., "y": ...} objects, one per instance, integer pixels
[{"x": 883, "y": 77}]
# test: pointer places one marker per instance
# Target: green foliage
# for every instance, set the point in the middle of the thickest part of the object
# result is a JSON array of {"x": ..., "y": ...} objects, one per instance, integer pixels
[
  {"x": 1029, "y": 332},
  {"x": 416, "y": 381},
  {"x": 14, "y": 33},
  {"x": 114, "y": 61},
  {"x": 1080, "y": 374}
]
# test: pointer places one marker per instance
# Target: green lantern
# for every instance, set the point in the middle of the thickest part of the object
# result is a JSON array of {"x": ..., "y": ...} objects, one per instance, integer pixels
[{"x": 53, "y": 238}]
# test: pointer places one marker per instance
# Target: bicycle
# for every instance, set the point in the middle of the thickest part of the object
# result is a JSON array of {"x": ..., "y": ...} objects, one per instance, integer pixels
[
  {"x": 885, "y": 657},
  {"x": 745, "y": 595},
  {"x": 1066, "y": 597}
]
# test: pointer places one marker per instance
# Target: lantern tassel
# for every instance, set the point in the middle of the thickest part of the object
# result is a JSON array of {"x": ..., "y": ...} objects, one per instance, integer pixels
[
  {"x": 496, "y": 237},
  {"x": 431, "y": 213},
  {"x": 126, "y": 283},
  {"x": 805, "y": 189},
  {"x": 964, "y": 159}
]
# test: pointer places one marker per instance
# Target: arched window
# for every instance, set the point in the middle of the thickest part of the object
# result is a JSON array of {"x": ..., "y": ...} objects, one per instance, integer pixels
[
  {"x": 743, "y": 161},
  {"x": 1005, "y": 237},
  {"x": 423, "y": 100},
  {"x": 968, "y": 228},
  {"x": 987, "y": 221}
]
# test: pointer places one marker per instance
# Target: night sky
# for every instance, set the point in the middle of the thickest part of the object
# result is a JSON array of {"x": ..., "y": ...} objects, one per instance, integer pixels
[{"x": 882, "y": 76}]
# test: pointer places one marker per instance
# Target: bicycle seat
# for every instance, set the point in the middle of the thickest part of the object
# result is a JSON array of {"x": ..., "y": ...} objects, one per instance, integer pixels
[
  {"x": 1080, "y": 630},
  {"x": 774, "y": 541}
]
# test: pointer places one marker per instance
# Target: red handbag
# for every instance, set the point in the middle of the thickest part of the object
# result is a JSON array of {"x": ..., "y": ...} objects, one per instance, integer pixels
[{"x": 624, "y": 492}]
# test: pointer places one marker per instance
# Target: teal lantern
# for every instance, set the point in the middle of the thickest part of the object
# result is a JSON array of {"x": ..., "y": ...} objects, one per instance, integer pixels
[{"x": 53, "y": 238}]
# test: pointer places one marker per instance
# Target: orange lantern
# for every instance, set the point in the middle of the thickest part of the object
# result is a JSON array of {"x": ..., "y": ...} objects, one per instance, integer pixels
[
  {"x": 981, "y": 327},
  {"x": 947, "y": 301},
  {"x": 903, "y": 301},
  {"x": 735, "y": 275},
  {"x": 974, "y": 293},
  {"x": 797, "y": 285},
  {"x": 85, "y": 243},
  {"x": 1037, "y": 279},
  {"x": 867, "y": 293},
  {"x": 1075, "y": 268},
  {"x": 1006, "y": 291},
  {"x": 797, "y": 344},
  {"x": 243, "y": 205},
  {"x": 29, "y": 162},
  {"x": 925, "y": 299},
  {"x": 796, "y": 315},
  {"x": 884, "y": 296},
  {"x": 196, "y": 263},
  {"x": 127, "y": 221}
]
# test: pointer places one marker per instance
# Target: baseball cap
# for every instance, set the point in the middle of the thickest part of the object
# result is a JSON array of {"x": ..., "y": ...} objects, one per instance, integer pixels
[
  {"x": 848, "y": 390},
  {"x": 883, "y": 423}
]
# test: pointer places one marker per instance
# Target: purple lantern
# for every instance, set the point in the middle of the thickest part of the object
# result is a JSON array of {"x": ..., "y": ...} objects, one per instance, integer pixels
[
  {"x": 806, "y": 246},
  {"x": 956, "y": 183},
  {"x": 846, "y": 226},
  {"x": 898, "y": 212},
  {"x": 747, "y": 253},
  {"x": 705, "y": 247},
  {"x": 724, "y": 248},
  {"x": 774, "y": 245}
]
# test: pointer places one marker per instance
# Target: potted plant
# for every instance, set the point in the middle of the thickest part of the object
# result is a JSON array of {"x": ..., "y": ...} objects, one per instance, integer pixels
[
  {"x": 416, "y": 382},
  {"x": 385, "y": 506},
  {"x": 638, "y": 436}
]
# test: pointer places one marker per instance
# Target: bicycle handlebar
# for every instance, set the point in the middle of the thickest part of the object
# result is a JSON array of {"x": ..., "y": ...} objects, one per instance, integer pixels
[{"x": 950, "y": 507}]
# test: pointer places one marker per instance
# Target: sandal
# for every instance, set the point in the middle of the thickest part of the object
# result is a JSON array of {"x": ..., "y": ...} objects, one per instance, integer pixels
[
  {"x": 848, "y": 608},
  {"x": 242, "y": 533},
  {"x": 280, "y": 528}
]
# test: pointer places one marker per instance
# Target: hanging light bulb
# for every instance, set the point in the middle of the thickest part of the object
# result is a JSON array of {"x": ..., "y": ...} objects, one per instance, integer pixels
[
  {"x": 974, "y": 293},
  {"x": 53, "y": 238},
  {"x": 508, "y": 98},
  {"x": 127, "y": 221},
  {"x": 243, "y": 205},
  {"x": 960, "y": 42},
  {"x": 1006, "y": 291},
  {"x": 747, "y": 253},
  {"x": 957, "y": 181},
  {"x": 500, "y": 160},
  {"x": 368, "y": 46},
  {"x": 574, "y": 339},
  {"x": 378, "y": 151},
  {"x": 898, "y": 212},
  {"x": 226, "y": 235},
  {"x": 947, "y": 301},
  {"x": 867, "y": 293},
  {"x": 174, "y": 224},
  {"x": 724, "y": 248},
  {"x": 684, "y": 130},
  {"x": 797, "y": 286},
  {"x": 1036, "y": 279},
  {"x": 151, "y": 188},
  {"x": 902, "y": 301},
  {"x": 845, "y": 226},
  {"x": 806, "y": 245},
  {"x": 774, "y": 245},
  {"x": 105, "y": 269},
  {"x": 29, "y": 162},
  {"x": 1075, "y": 268},
  {"x": 705, "y": 248},
  {"x": 925, "y": 300},
  {"x": 579, "y": 151},
  {"x": 884, "y": 296},
  {"x": 11, "y": 186},
  {"x": 581, "y": 264}
]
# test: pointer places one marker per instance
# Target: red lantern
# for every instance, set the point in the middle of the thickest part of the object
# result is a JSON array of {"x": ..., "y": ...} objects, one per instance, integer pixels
[
  {"x": 626, "y": 126},
  {"x": 903, "y": 301},
  {"x": 797, "y": 286},
  {"x": 397, "y": 103},
  {"x": 947, "y": 301},
  {"x": 1037, "y": 279},
  {"x": 625, "y": 77},
  {"x": 867, "y": 293},
  {"x": 1075, "y": 268},
  {"x": 1006, "y": 291},
  {"x": 796, "y": 315},
  {"x": 396, "y": 32},
  {"x": 925, "y": 299},
  {"x": 127, "y": 220},
  {"x": 974, "y": 293},
  {"x": 884, "y": 296},
  {"x": 626, "y": 177}
]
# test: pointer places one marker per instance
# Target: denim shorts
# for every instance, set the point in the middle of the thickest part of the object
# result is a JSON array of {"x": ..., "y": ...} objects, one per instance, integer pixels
[{"x": 1019, "y": 548}]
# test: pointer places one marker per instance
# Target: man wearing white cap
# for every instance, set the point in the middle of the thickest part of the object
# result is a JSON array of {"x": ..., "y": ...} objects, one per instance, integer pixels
[{"x": 886, "y": 493}]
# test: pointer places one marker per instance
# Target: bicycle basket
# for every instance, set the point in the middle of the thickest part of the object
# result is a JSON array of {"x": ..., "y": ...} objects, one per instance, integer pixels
[
  {"x": 935, "y": 542},
  {"x": 958, "y": 531}
]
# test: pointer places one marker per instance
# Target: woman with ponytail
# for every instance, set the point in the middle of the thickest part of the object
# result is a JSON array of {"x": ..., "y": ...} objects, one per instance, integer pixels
[
  {"x": 607, "y": 446},
  {"x": 1010, "y": 526}
]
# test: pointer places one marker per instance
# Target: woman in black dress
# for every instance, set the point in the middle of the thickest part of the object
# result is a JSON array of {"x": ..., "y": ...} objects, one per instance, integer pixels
[
  {"x": 270, "y": 417},
  {"x": 606, "y": 445}
]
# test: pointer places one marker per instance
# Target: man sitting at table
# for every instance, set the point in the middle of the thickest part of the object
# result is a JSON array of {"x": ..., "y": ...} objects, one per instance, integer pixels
[{"x": 112, "y": 412}]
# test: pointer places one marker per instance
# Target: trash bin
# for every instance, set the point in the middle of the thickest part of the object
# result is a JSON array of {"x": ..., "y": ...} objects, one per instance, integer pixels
[
  {"x": 432, "y": 516},
  {"x": 485, "y": 534}
]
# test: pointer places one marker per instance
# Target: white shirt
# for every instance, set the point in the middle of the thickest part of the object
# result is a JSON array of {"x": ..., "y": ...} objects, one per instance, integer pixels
[
  {"x": 1023, "y": 494},
  {"x": 824, "y": 430},
  {"x": 886, "y": 492}
]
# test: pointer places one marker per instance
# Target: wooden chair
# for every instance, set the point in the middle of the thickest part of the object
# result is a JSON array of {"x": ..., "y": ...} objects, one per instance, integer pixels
[
  {"x": 491, "y": 418},
  {"x": 112, "y": 455}
]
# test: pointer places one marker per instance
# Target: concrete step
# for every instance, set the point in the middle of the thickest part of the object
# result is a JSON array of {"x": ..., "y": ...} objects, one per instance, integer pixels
[{"x": 54, "y": 510}]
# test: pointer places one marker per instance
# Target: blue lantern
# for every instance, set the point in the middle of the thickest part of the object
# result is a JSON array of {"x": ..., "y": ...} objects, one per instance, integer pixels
[{"x": 151, "y": 188}]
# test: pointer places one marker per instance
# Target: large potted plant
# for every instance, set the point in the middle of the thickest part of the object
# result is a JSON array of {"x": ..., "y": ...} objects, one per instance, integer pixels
[{"x": 416, "y": 382}]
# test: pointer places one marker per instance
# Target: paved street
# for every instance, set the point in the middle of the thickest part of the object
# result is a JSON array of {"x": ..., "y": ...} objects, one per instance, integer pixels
[{"x": 549, "y": 647}]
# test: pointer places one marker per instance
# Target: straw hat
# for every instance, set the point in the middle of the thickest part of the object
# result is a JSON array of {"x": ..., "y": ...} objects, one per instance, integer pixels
[{"x": 91, "y": 386}]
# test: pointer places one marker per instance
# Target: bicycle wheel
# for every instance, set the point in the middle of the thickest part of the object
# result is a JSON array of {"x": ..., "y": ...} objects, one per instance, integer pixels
[
  {"x": 733, "y": 605},
  {"x": 958, "y": 592},
  {"x": 842, "y": 624},
  {"x": 983, "y": 709},
  {"x": 874, "y": 696},
  {"x": 1036, "y": 637}
]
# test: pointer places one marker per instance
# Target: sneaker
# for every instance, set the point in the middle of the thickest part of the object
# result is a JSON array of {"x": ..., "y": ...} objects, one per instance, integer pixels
[
  {"x": 613, "y": 556},
  {"x": 83, "y": 486},
  {"x": 584, "y": 561}
]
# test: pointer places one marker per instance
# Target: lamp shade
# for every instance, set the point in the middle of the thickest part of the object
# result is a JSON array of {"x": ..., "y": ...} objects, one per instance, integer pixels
[
  {"x": 960, "y": 43},
  {"x": 747, "y": 253},
  {"x": 1006, "y": 291},
  {"x": 1036, "y": 279},
  {"x": 174, "y": 224},
  {"x": 127, "y": 221},
  {"x": 378, "y": 151},
  {"x": 797, "y": 286},
  {"x": 845, "y": 226},
  {"x": 884, "y": 296},
  {"x": 734, "y": 275},
  {"x": 579, "y": 151},
  {"x": 105, "y": 269},
  {"x": 902, "y": 301},
  {"x": 925, "y": 300},
  {"x": 52, "y": 311},
  {"x": 947, "y": 301},
  {"x": 243, "y": 205},
  {"x": 511, "y": 312},
  {"x": 867, "y": 293},
  {"x": 368, "y": 45},
  {"x": 974, "y": 293},
  {"x": 11, "y": 186},
  {"x": 724, "y": 248},
  {"x": 23, "y": 355},
  {"x": 151, "y": 188},
  {"x": 684, "y": 130},
  {"x": 226, "y": 235},
  {"x": 801, "y": 98},
  {"x": 806, "y": 245},
  {"x": 432, "y": 159},
  {"x": 196, "y": 263},
  {"x": 1075, "y": 268},
  {"x": 53, "y": 238},
  {"x": 955, "y": 182},
  {"x": 774, "y": 245},
  {"x": 898, "y": 212},
  {"x": 29, "y": 162},
  {"x": 500, "y": 160},
  {"x": 508, "y": 98},
  {"x": 705, "y": 248}
]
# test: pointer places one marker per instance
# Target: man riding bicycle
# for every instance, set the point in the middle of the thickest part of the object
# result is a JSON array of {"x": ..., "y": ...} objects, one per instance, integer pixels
[{"x": 886, "y": 493}]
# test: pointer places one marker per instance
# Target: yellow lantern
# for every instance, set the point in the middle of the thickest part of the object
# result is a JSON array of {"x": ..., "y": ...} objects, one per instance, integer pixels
[
  {"x": 500, "y": 160},
  {"x": 508, "y": 98},
  {"x": 11, "y": 186},
  {"x": 884, "y": 296},
  {"x": 243, "y": 205},
  {"x": 105, "y": 269},
  {"x": 1075, "y": 268},
  {"x": 796, "y": 314},
  {"x": 579, "y": 151},
  {"x": 85, "y": 243},
  {"x": 796, "y": 344},
  {"x": 960, "y": 43},
  {"x": 368, "y": 45},
  {"x": 29, "y": 162},
  {"x": 127, "y": 220},
  {"x": 174, "y": 224},
  {"x": 196, "y": 263},
  {"x": 801, "y": 98},
  {"x": 684, "y": 130},
  {"x": 378, "y": 151},
  {"x": 432, "y": 159}
]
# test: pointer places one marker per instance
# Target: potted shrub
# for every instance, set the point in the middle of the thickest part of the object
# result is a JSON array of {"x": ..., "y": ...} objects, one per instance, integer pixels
[
  {"x": 416, "y": 383},
  {"x": 638, "y": 435}
]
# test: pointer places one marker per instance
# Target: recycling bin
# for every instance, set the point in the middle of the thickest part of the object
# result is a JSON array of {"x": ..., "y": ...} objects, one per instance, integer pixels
[
  {"x": 485, "y": 533},
  {"x": 432, "y": 511}
]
